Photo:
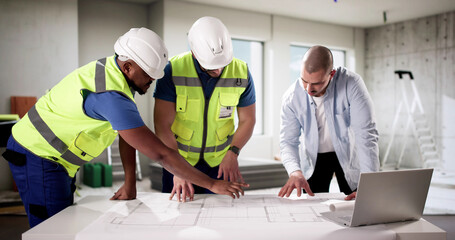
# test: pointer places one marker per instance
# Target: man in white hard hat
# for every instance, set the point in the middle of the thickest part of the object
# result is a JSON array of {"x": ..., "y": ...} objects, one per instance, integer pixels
[
  {"x": 333, "y": 111},
  {"x": 81, "y": 116},
  {"x": 195, "y": 103}
]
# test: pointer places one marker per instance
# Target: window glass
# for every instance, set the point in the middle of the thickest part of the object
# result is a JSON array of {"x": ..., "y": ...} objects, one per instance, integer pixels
[{"x": 252, "y": 53}]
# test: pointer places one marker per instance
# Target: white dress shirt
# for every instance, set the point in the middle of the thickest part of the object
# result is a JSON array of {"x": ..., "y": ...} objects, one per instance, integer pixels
[{"x": 350, "y": 119}]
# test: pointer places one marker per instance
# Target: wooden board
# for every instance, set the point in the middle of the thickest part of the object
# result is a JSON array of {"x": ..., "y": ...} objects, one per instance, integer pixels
[{"x": 21, "y": 104}]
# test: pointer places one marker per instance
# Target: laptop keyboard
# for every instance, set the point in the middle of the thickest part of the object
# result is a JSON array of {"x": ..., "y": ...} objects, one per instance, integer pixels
[
  {"x": 337, "y": 217},
  {"x": 346, "y": 218}
]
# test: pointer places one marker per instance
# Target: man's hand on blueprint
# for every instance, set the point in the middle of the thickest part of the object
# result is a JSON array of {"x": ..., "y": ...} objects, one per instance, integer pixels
[
  {"x": 233, "y": 189},
  {"x": 296, "y": 180},
  {"x": 229, "y": 168},
  {"x": 125, "y": 192},
  {"x": 183, "y": 189},
  {"x": 351, "y": 196}
]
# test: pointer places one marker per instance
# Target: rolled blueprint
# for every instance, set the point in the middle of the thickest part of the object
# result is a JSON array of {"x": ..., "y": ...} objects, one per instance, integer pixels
[{"x": 340, "y": 206}]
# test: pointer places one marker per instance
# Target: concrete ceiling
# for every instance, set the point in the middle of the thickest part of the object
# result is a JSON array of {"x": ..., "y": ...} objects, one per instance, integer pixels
[{"x": 354, "y": 13}]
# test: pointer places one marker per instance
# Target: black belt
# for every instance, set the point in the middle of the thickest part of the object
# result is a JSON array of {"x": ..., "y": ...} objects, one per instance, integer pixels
[{"x": 15, "y": 158}]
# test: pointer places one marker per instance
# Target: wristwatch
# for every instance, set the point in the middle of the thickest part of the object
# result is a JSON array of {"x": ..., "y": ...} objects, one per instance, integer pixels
[{"x": 235, "y": 150}]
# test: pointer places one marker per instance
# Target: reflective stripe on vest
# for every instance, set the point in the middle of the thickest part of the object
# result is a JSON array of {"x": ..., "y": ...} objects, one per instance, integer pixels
[
  {"x": 204, "y": 128},
  {"x": 100, "y": 75},
  {"x": 222, "y": 82},
  {"x": 49, "y": 135},
  {"x": 188, "y": 148}
]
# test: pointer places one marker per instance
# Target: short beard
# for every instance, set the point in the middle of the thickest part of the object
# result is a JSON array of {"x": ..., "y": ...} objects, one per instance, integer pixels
[
  {"x": 133, "y": 86},
  {"x": 137, "y": 89}
]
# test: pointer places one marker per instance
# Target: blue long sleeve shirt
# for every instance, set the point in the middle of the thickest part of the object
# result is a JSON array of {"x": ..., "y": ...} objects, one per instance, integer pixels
[{"x": 350, "y": 118}]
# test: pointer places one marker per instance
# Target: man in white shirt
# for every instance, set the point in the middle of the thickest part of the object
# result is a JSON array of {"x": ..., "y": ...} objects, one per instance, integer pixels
[{"x": 334, "y": 112}]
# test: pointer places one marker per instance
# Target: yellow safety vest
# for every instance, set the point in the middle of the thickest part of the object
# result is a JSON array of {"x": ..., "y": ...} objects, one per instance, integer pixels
[
  {"x": 58, "y": 129},
  {"x": 204, "y": 130}
]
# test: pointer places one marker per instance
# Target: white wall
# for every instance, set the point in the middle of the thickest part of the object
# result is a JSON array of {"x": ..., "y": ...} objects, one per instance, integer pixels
[
  {"x": 38, "y": 47},
  {"x": 100, "y": 24},
  {"x": 179, "y": 16}
]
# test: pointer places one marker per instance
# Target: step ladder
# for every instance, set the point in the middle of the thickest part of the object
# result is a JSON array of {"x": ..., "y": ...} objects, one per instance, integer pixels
[
  {"x": 113, "y": 158},
  {"x": 417, "y": 122}
]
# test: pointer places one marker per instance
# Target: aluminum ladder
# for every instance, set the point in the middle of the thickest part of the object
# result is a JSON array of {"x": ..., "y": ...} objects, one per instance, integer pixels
[{"x": 416, "y": 120}]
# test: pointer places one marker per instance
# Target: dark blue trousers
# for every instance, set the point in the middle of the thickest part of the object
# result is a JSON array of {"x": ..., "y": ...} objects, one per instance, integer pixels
[
  {"x": 168, "y": 178},
  {"x": 44, "y": 186}
]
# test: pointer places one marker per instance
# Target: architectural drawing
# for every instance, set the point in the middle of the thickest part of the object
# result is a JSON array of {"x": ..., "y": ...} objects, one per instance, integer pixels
[{"x": 153, "y": 215}]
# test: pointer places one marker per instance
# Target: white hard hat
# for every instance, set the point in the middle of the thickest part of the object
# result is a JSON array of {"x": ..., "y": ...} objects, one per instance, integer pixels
[
  {"x": 145, "y": 48},
  {"x": 210, "y": 43}
]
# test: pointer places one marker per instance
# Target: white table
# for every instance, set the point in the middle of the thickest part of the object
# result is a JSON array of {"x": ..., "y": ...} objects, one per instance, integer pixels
[{"x": 92, "y": 217}]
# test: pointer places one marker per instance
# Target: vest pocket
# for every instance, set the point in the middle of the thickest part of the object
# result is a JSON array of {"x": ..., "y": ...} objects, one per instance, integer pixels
[
  {"x": 184, "y": 136},
  {"x": 85, "y": 147},
  {"x": 226, "y": 106},
  {"x": 225, "y": 130},
  {"x": 180, "y": 105},
  {"x": 188, "y": 109},
  {"x": 222, "y": 134},
  {"x": 181, "y": 131}
]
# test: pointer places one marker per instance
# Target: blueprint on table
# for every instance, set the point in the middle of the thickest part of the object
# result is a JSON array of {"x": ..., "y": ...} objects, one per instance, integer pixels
[{"x": 211, "y": 217}]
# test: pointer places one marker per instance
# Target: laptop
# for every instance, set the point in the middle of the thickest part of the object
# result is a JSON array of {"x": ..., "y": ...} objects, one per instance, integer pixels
[{"x": 384, "y": 197}]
